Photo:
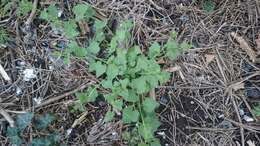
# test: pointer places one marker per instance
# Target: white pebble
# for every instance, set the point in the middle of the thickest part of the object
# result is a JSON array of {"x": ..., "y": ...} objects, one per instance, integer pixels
[
  {"x": 29, "y": 74},
  {"x": 241, "y": 112},
  {"x": 37, "y": 100},
  {"x": 60, "y": 13},
  {"x": 221, "y": 116},
  {"x": 18, "y": 91},
  {"x": 69, "y": 131},
  {"x": 248, "y": 119}
]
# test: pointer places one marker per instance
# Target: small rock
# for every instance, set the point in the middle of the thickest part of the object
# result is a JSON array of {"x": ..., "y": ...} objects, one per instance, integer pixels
[
  {"x": 20, "y": 63},
  {"x": 37, "y": 100},
  {"x": 60, "y": 13},
  {"x": 29, "y": 74},
  {"x": 68, "y": 132},
  {"x": 164, "y": 100},
  {"x": 18, "y": 91},
  {"x": 221, "y": 116},
  {"x": 248, "y": 119},
  {"x": 241, "y": 112},
  {"x": 162, "y": 134},
  {"x": 225, "y": 124}
]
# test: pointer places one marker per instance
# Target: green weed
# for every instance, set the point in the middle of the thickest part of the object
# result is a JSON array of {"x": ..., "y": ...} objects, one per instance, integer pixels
[
  {"x": 124, "y": 70},
  {"x": 39, "y": 123}
]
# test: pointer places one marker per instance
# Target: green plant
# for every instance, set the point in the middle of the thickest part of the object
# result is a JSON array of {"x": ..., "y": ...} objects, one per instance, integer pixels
[
  {"x": 208, "y": 5},
  {"x": 123, "y": 69},
  {"x": 3, "y": 36},
  {"x": 256, "y": 110},
  {"x": 5, "y": 7},
  {"x": 24, "y": 7},
  {"x": 39, "y": 123}
]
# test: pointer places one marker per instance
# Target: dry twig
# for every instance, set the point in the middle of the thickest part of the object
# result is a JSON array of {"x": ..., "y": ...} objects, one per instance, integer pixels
[
  {"x": 8, "y": 118},
  {"x": 4, "y": 74}
]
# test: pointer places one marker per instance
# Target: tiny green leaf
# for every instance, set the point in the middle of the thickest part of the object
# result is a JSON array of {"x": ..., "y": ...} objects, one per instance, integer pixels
[
  {"x": 24, "y": 120},
  {"x": 13, "y": 135},
  {"x": 143, "y": 144},
  {"x": 208, "y": 6},
  {"x": 100, "y": 68},
  {"x": 43, "y": 122},
  {"x": 70, "y": 29},
  {"x": 88, "y": 96},
  {"x": 124, "y": 83},
  {"x": 99, "y": 25},
  {"x": 156, "y": 142},
  {"x": 93, "y": 47},
  {"x": 76, "y": 49},
  {"x": 132, "y": 96},
  {"x": 40, "y": 142},
  {"x": 149, "y": 105},
  {"x": 148, "y": 127},
  {"x": 83, "y": 11},
  {"x": 107, "y": 83},
  {"x": 25, "y": 6},
  {"x": 139, "y": 84},
  {"x": 112, "y": 71},
  {"x": 117, "y": 104},
  {"x": 109, "y": 116},
  {"x": 172, "y": 49},
  {"x": 154, "y": 50},
  {"x": 130, "y": 115},
  {"x": 163, "y": 77}
]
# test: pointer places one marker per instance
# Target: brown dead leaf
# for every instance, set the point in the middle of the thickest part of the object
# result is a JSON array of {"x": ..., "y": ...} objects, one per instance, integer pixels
[
  {"x": 244, "y": 45},
  {"x": 84, "y": 28},
  {"x": 209, "y": 58},
  {"x": 173, "y": 69},
  {"x": 161, "y": 61}
]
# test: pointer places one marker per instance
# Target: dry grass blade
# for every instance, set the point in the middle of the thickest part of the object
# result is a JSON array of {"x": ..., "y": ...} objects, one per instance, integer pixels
[
  {"x": 258, "y": 43},
  {"x": 245, "y": 46},
  {"x": 173, "y": 69},
  {"x": 4, "y": 74},
  {"x": 7, "y": 117}
]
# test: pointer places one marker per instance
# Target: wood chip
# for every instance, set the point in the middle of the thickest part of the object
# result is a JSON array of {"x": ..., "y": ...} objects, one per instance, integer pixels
[
  {"x": 209, "y": 58},
  {"x": 173, "y": 69},
  {"x": 244, "y": 45},
  {"x": 238, "y": 86}
]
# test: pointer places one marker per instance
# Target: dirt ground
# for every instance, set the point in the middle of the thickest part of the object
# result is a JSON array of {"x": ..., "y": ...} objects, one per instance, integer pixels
[{"x": 200, "y": 106}]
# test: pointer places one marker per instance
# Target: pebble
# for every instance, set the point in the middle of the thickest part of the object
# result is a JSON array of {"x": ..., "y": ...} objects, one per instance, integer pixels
[
  {"x": 37, "y": 100},
  {"x": 68, "y": 132},
  {"x": 18, "y": 91},
  {"x": 248, "y": 119},
  {"x": 29, "y": 74},
  {"x": 221, "y": 116},
  {"x": 241, "y": 112}
]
